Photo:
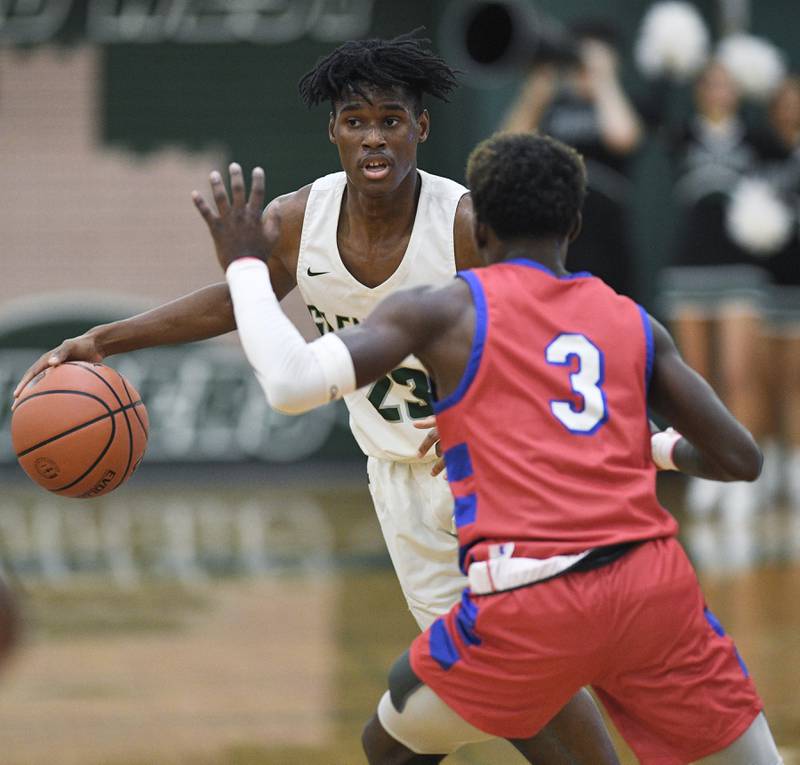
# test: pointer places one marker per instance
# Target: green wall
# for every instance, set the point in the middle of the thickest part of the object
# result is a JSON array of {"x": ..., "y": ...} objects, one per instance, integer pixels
[{"x": 243, "y": 97}]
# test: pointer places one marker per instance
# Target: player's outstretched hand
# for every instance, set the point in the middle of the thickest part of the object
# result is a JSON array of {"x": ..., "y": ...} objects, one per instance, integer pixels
[
  {"x": 236, "y": 226},
  {"x": 81, "y": 348},
  {"x": 430, "y": 440}
]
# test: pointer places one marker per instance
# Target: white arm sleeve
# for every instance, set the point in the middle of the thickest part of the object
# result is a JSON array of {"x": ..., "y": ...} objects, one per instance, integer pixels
[{"x": 296, "y": 376}]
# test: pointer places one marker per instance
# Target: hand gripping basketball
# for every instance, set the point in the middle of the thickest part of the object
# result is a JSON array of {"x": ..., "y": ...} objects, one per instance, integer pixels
[
  {"x": 81, "y": 348},
  {"x": 79, "y": 429}
]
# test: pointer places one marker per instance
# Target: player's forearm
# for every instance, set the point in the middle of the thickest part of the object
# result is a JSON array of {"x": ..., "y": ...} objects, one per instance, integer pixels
[
  {"x": 671, "y": 451},
  {"x": 208, "y": 312},
  {"x": 690, "y": 460},
  {"x": 714, "y": 444},
  {"x": 296, "y": 376}
]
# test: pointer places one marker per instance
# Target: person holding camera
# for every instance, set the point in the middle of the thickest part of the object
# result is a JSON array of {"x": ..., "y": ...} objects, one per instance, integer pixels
[{"x": 582, "y": 103}]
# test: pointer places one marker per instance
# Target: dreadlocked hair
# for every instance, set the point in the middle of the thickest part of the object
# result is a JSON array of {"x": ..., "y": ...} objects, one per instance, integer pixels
[{"x": 405, "y": 61}]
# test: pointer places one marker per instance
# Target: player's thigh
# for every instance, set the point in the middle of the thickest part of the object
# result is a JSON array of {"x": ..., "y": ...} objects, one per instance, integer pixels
[
  {"x": 414, "y": 510},
  {"x": 755, "y": 746},
  {"x": 679, "y": 687}
]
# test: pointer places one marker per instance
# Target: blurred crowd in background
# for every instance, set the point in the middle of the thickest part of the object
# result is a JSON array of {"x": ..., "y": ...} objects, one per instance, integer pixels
[
  {"x": 730, "y": 290},
  {"x": 111, "y": 112}
]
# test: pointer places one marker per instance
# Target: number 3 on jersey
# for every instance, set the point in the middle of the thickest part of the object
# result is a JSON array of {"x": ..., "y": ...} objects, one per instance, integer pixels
[{"x": 586, "y": 382}]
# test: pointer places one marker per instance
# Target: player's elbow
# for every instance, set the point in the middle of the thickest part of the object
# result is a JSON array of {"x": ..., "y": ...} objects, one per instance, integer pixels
[
  {"x": 283, "y": 396},
  {"x": 284, "y": 401},
  {"x": 744, "y": 462}
]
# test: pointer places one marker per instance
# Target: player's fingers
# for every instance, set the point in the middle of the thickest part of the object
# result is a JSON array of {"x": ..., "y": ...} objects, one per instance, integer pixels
[
  {"x": 257, "y": 190},
  {"x": 219, "y": 192},
  {"x": 46, "y": 359},
  {"x": 203, "y": 207},
  {"x": 438, "y": 467},
  {"x": 428, "y": 442},
  {"x": 237, "y": 184},
  {"x": 26, "y": 378},
  {"x": 425, "y": 423}
]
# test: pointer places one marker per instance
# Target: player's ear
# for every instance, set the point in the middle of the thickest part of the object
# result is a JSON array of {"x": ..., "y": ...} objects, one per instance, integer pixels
[
  {"x": 331, "y": 121},
  {"x": 481, "y": 233},
  {"x": 423, "y": 125},
  {"x": 576, "y": 228}
]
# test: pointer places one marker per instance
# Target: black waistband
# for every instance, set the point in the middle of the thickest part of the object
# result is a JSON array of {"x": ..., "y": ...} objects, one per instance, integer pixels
[
  {"x": 597, "y": 558},
  {"x": 602, "y": 556}
]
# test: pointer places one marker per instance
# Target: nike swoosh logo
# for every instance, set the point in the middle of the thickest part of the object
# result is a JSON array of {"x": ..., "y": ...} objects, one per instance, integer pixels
[{"x": 316, "y": 273}]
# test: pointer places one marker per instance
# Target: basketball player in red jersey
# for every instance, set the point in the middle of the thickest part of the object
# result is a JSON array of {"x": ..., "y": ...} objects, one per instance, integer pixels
[
  {"x": 543, "y": 382},
  {"x": 345, "y": 241}
]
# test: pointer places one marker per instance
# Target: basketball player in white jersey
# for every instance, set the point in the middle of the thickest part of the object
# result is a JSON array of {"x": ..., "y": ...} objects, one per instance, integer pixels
[{"x": 347, "y": 240}]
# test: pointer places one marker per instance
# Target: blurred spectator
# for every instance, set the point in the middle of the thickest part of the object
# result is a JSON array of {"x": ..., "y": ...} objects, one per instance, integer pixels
[
  {"x": 781, "y": 167},
  {"x": 714, "y": 296},
  {"x": 714, "y": 149},
  {"x": 780, "y": 153},
  {"x": 584, "y": 105}
]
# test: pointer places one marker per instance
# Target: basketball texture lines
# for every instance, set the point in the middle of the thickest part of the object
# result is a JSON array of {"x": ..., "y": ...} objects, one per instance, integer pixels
[{"x": 79, "y": 429}]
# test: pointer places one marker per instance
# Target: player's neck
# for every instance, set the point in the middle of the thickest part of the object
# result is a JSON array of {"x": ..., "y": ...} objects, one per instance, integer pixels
[
  {"x": 547, "y": 252},
  {"x": 382, "y": 215}
]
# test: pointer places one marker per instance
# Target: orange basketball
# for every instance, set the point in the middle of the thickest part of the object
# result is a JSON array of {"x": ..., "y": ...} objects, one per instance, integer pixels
[{"x": 79, "y": 429}]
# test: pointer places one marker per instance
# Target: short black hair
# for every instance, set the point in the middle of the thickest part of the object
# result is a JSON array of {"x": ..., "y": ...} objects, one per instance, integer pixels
[
  {"x": 526, "y": 185},
  {"x": 404, "y": 62}
]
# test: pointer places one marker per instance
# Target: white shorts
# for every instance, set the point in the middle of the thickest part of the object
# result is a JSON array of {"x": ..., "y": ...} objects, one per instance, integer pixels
[{"x": 415, "y": 510}]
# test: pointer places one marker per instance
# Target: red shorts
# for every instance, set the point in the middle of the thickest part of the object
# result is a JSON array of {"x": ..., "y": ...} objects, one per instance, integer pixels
[{"x": 637, "y": 630}]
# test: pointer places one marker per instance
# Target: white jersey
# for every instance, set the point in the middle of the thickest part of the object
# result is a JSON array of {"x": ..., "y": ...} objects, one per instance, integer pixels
[{"x": 381, "y": 414}]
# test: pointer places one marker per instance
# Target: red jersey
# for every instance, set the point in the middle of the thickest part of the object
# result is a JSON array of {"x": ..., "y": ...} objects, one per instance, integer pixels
[{"x": 546, "y": 438}]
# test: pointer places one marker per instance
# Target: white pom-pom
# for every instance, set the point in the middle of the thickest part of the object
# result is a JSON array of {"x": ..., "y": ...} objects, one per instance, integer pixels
[
  {"x": 758, "y": 220},
  {"x": 672, "y": 42},
  {"x": 756, "y": 64}
]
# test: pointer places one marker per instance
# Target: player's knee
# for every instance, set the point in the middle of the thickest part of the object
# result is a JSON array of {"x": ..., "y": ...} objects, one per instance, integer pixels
[
  {"x": 380, "y": 748},
  {"x": 370, "y": 740}
]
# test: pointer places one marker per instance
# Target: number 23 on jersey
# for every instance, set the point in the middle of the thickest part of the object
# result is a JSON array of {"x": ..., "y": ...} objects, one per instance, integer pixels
[{"x": 586, "y": 382}]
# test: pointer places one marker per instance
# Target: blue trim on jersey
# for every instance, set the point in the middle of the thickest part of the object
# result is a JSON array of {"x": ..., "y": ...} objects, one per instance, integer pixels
[
  {"x": 441, "y": 645},
  {"x": 651, "y": 350},
  {"x": 478, "y": 340},
  {"x": 466, "y": 509},
  {"x": 458, "y": 463},
  {"x": 463, "y": 551},
  {"x": 541, "y": 267},
  {"x": 716, "y": 625},
  {"x": 465, "y": 620}
]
